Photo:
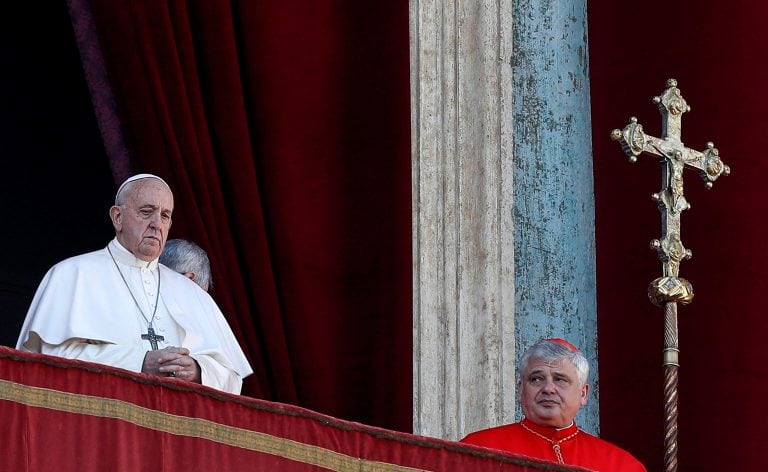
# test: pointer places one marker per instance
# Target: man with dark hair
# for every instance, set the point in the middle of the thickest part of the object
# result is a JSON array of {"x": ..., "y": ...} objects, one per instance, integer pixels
[
  {"x": 118, "y": 306},
  {"x": 553, "y": 387}
]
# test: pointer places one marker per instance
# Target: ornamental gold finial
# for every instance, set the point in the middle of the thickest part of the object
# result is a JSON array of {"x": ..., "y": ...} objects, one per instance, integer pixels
[{"x": 669, "y": 289}]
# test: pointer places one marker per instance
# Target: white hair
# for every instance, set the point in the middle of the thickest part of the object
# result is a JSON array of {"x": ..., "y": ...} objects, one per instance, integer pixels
[{"x": 549, "y": 350}]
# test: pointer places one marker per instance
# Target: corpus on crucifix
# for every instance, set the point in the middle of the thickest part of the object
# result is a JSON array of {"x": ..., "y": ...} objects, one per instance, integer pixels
[
  {"x": 152, "y": 337},
  {"x": 669, "y": 290}
]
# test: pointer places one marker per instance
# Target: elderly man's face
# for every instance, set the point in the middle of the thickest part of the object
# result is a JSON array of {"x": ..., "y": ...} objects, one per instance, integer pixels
[
  {"x": 142, "y": 223},
  {"x": 550, "y": 393}
]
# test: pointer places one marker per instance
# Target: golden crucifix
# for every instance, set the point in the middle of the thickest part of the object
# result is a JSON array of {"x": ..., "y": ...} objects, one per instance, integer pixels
[{"x": 669, "y": 290}]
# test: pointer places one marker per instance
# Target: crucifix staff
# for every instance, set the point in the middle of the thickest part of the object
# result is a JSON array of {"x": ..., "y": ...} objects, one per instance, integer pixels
[{"x": 669, "y": 290}]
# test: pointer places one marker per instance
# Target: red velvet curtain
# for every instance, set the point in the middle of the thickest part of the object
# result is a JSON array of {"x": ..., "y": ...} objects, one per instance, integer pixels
[
  {"x": 716, "y": 51},
  {"x": 283, "y": 128}
]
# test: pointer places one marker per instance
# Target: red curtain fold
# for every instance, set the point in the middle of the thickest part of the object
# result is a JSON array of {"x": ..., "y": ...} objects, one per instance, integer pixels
[
  {"x": 100, "y": 90},
  {"x": 284, "y": 132}
]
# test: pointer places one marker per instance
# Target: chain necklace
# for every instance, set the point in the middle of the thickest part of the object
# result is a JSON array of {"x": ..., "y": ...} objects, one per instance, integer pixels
[
  {"x": 555, "y": 444},
  {"x": 150, "y": 336}
]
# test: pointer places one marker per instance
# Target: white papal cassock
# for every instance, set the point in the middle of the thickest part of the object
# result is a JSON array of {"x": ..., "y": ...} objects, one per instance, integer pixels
[{"x": 84, "y": 310}]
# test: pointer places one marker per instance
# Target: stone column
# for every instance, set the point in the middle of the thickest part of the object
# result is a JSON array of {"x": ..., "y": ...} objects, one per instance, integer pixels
[
  {"x": 463, "y": 195},
  {"x": 499, "y": 89}
]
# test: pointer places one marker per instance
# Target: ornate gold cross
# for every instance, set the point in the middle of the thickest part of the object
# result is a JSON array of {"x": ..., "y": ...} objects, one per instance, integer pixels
[{"x": 669, "y": 289}]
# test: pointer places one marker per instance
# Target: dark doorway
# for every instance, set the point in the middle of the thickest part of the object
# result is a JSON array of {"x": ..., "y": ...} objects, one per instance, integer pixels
[{"x": 56, "y": 186}]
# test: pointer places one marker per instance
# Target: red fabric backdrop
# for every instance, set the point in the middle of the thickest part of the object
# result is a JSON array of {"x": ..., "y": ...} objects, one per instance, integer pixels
[
  {"x": 283, "y": 128},
  {"x": 715, "y": 50}
]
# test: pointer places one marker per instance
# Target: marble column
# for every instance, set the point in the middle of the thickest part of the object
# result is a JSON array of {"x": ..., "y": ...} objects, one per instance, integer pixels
[{"x": 503, "y": 222}]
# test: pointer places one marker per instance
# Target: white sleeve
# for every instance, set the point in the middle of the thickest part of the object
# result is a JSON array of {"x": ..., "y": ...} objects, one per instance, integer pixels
[
  {"x": 214, "y": 374},
  {"x": 124, "y": 357}
]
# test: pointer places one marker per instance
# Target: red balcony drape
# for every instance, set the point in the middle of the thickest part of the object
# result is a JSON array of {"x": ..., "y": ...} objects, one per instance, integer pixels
[{"x": 67, "y": 415}]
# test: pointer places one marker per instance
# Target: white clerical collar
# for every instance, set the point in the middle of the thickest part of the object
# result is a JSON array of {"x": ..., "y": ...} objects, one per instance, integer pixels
[
  {"x": 565, "y": 427},
  {"x": 124, "y": 256}
]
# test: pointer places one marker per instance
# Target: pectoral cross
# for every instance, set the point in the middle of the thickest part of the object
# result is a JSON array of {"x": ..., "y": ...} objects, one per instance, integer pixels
[
  {"x": 152, "y": 337},
  {"x": 669, "y": 289}
]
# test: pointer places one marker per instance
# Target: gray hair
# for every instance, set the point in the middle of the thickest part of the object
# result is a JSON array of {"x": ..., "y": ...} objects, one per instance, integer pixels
[
  {"x": 185, "y": 256},
  {"x": 552, "y": 350}
]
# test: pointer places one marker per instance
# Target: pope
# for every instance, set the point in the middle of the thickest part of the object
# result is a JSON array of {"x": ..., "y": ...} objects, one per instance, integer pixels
[
  {"x": 118, "y": 306},
  {"x": 553, "y": 387}
]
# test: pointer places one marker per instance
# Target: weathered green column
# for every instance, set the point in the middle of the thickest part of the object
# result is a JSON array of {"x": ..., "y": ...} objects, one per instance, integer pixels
[
  {"x": 553, "y": 184},
  {"x": 503, "y": 222}
]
